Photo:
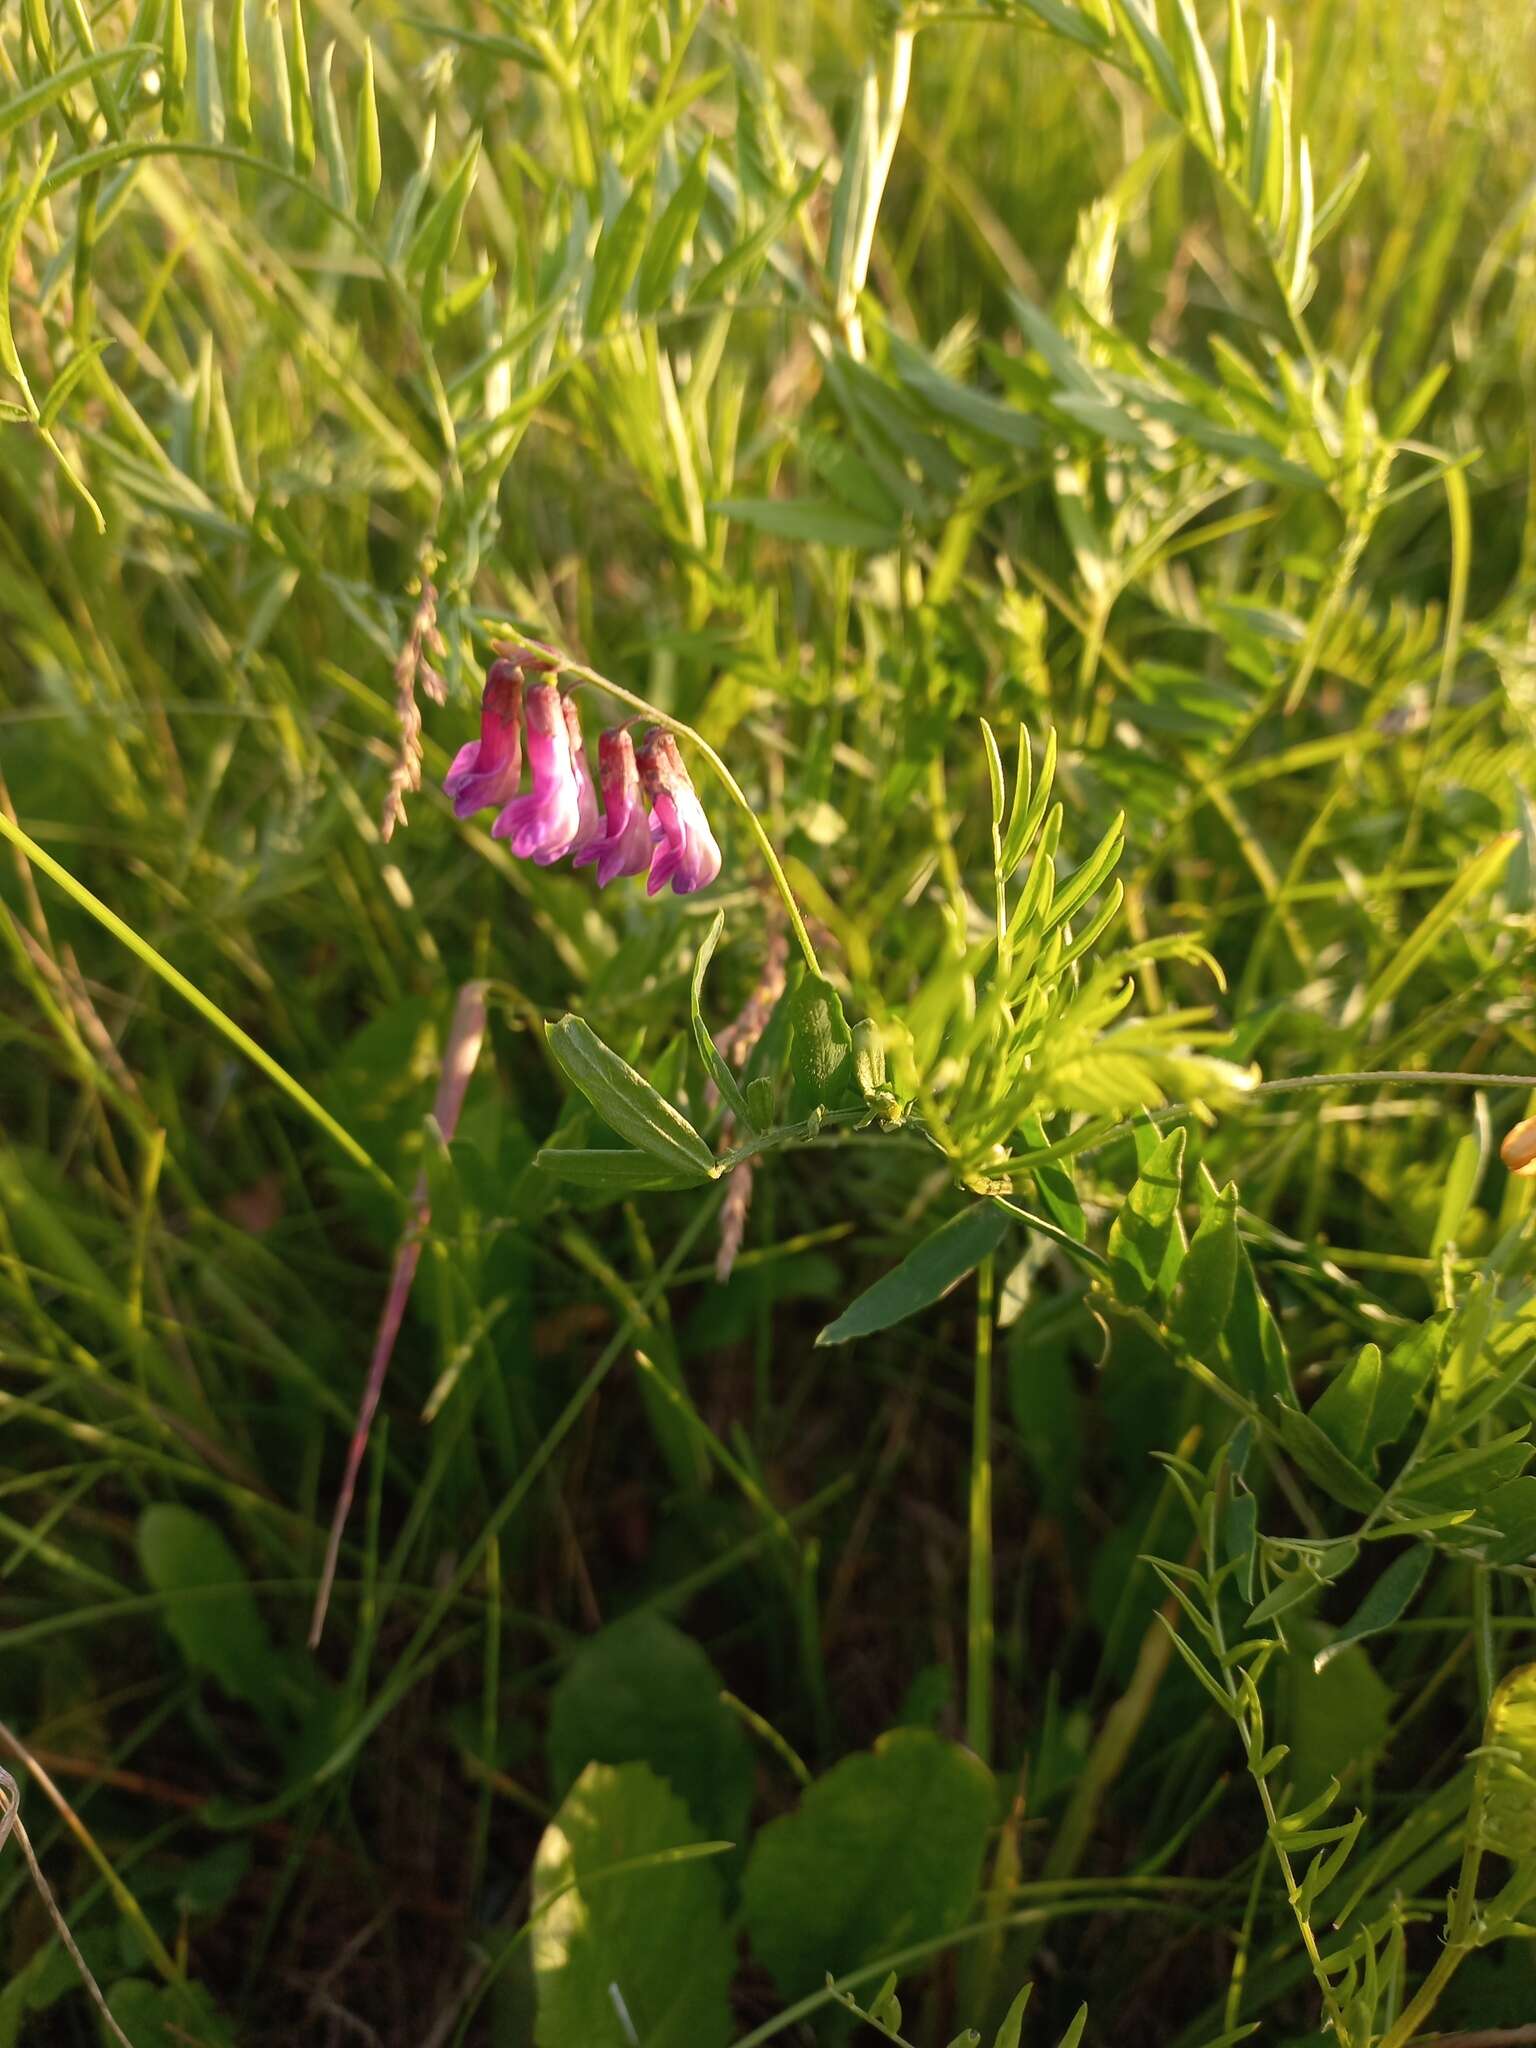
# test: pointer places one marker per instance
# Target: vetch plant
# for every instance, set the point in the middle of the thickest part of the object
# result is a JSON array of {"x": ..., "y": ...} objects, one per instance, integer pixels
[{"x": 941, "y": 1394}]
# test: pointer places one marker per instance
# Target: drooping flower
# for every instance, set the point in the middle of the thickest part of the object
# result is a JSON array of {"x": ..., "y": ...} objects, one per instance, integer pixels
[
  {"x": 1518, "y": 1150},
  {"x": 589, "y": 831},
  {"x": 625, "y": 845},
  {"x": 542, "y": 824},
  {"x": 685, "y": 853},
  {"x": 486, "y": 771}
]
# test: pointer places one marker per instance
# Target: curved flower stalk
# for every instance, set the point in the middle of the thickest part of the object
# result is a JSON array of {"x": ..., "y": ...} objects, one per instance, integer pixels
[
  {"x": 686, "y": 854},
  {"x": 486, "y": 772},
  {"x": 543, "y": 825},
  {"x": 679, "y": 731},
  {"x": 625, "y": 845}
]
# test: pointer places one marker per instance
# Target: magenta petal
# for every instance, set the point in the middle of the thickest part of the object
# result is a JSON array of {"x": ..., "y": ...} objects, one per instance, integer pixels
[
  {"x": 485, "y": 772},
  {"x": 589, "y": 831},
  {"x": 542, "y": 825},
  {"x": 625, "y": 845},
  {"x": 686, "y": 854}
]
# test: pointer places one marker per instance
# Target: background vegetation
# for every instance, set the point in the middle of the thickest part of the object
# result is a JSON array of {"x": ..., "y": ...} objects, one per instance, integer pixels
[{"x": 1132, "y": 1598}]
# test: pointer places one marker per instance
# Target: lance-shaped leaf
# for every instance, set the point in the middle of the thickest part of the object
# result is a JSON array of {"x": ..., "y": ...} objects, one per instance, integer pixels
[
  {"x": 1386, "y": 1602},
  {"x": 940, "y": 1262},
  {"x": 626, "y": 1101}
]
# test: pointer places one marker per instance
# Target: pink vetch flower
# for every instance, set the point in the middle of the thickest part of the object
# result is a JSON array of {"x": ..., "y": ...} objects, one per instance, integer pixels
[
  {"x": 625, "y": 845},
  {"x": 589, "y": 831},
  {"x": 685, "y": 853},
  {"x": 486, "y": 771},
  {"x": 543, "y": 824}
]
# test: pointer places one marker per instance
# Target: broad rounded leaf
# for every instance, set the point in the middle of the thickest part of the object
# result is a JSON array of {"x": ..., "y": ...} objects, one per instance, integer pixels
[
  {"x": 209, "y": 1608},
  {"x": 642, "y": 1692},
  {"x": 629, "y": 1941},
  {"x": 884, "y": 1851}
]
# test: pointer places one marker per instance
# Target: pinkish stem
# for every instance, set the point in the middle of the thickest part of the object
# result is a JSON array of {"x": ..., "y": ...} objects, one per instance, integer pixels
[{"x": 463, "y": 1051}]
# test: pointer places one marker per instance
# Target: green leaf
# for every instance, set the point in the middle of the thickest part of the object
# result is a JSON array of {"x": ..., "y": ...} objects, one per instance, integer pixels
[
  {"x": 1461, "y": 1181},
  {"x": 1465, "y": 1479},
  {"x": 369, "y": 169},
  {"x": 1345, "y": 1411},
  {"x": 672, "y": 237},
  {"x": 432, "y": 246},
  {"x": 1334, "y": 1718},
  {"x": 1207, "y": 1278},
  {"x": 625, "y": 1100},
  {"x": 851, "y": 199},
  {"x": 210, "y": 97},
  {"x": 173, "y": 69},
  {"x": 884, "y": 1852},
  {"x": 1146, "y": 1241},
  {"x": 1476, "y": 878},
  {"x": 166, "y": 2015},
  {"x": 1511, "y": 1510},
  {"x": 328, "y": 120},
  {"x": 620, "y": 1904},
  {"x": 715, "y": 1065},
  {"x": 41, "y": 29},
  {"x": 1503, "y": 1817},
  {"x": 642, "y": 1692},
  {"x": 237, "y": 77},
  {"x": 1322, "y": 1460},
  {"x": 1029, "y": 804},
  {"x": 820, "y": 1049},
  {"x": 817, "y": 520},
  {"x": 300, "y": 95},
  {"x": 10, "y": 243},
  {"x": 1254, "y": 1343},
  {"x": 1303, "y": 1583},
  {"x": 1075, "y": 2029},
  {"x": 26, "y": 106},
  {"x": 67, "y": 379},
  {"x": 1013, "y": 2021},
  {"x": 1200, "y": 77},
  {"x": 1054, "y": 1184},
  {"x": 1371, "y": 1402},
  {"x": 614, "y": 1171},
  {"x": 962, "y": 406},
  {"x": 273, "y": 59},
  {"x": 1240, "y": 1528},
  {"x": 209, "y": 1609},
  {"x": 1071, "y": 23},
  {"x": 617, "y": 261},
  {"x": 1154, "y": 60},
  {"x": 1385, "y": 1603},
  {"x": 925, "y": 1275}
]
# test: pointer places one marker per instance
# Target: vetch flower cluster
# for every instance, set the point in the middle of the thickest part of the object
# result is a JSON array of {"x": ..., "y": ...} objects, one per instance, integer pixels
[{"x": 560, "y": 816}]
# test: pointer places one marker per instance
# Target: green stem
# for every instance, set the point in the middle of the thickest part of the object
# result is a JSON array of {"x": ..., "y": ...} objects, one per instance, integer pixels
[
  {"x": 206, "y": 1008},
  {"x": 979, "y": 1626},
  {"x": 1247, "y": 1718},
  {"x": 1459, "y": 1942},
  {"x": 733, "y": 787}
]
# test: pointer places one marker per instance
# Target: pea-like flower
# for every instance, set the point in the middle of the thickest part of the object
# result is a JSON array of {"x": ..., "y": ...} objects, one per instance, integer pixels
[
  {"x": 589, "y": 830},
  {"x": 625, "y": 845},
  {"x": 543, "y": 824},
  {"x": 1518, "y": 1150},
  {"x": 684, "y": 849},
  {"x": 486, "y": 771}
]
